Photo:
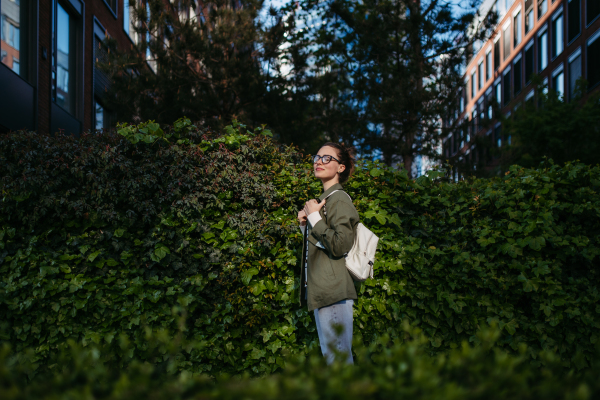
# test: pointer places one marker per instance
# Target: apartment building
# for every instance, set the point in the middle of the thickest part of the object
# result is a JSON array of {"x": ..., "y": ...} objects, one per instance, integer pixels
[
  {"x": 49, "y": 80},
  {"x": 559, "y": 40}
]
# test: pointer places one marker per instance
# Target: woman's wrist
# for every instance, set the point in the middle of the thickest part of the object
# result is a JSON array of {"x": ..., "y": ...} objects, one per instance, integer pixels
[{"x": 314, "y": 217}]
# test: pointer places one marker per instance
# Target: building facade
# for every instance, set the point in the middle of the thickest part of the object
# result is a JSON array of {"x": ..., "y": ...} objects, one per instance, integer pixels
[
  {"x": 559, "y": 40},
  {"x": 49, "y": 49}
]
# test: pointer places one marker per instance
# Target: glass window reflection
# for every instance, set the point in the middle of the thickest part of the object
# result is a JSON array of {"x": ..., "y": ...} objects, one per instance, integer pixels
[{"x": 13, "y": 19}]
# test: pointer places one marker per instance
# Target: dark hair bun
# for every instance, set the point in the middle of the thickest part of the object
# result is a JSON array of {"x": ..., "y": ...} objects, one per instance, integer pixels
[{"x": 346, "y": 157}]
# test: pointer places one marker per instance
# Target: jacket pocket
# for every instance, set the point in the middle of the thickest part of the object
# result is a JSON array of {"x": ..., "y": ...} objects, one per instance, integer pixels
[{"x": 329, "y": 268}]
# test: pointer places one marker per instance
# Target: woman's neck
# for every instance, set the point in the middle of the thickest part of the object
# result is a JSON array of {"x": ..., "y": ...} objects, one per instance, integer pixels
[{"x": 329, "y": 183}]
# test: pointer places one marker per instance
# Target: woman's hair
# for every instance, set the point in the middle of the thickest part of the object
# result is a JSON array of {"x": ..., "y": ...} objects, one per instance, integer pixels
[{"x": 346, "y": 157}]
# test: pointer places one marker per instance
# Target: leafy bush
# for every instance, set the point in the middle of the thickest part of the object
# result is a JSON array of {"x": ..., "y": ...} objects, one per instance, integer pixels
[
  {"x": 106, "y": 236},
  {"x": 383, "y": 371}
]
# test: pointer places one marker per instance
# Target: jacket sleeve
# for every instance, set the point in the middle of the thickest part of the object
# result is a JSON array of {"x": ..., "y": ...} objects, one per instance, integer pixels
[{"x": 338, "y": 237}]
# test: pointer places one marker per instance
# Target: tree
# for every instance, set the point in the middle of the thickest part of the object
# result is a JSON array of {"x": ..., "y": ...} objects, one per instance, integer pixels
[
  {"x": 386, "y": 71},
  {"x": 203, "y": 62},
  {"x": 554, "y": 128}
]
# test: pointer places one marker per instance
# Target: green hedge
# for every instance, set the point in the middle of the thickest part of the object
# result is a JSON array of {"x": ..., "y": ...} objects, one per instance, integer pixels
[
  {"x": 383, "y": 371},
  {"x": 110, "y": 235}
]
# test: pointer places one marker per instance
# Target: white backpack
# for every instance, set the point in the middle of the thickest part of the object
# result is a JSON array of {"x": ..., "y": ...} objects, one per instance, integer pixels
[{"x": 360, "y": 258}]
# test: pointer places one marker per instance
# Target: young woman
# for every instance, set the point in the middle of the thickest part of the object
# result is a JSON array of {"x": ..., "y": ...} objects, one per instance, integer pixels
[{"x": 326, "y": 284}]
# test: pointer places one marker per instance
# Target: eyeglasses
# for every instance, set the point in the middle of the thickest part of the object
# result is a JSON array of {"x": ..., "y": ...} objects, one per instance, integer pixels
[{"x": 325, "y": 159}]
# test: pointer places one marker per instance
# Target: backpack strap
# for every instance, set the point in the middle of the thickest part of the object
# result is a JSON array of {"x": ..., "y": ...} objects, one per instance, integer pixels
[{"x": 338, "y": 191}]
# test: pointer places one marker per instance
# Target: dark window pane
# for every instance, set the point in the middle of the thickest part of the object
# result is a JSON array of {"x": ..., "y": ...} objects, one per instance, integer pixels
[
  {"x": 558, "y": 84},
  {"x": 528, "y": 64},
  {"x": 574, "y": 15},
  {"x": 557, "y": 36},
  {"x": 528, "y": 4},
  {"x": 574, "y": 74},
  {"x": 507, "y": 88},
  {"x": 481, "y": 76},
  {"x": 542, "y": 51},
  {"x": 488, "y": 66},
  {"x": 518, "y": 68},
  {"x": 529, "y": 21},
  {"x": 497, "y": 55},
  {"x": 593, "y": 10},
  {"x": 64, "y": 92},
  {"x": 593, "y": 63}
]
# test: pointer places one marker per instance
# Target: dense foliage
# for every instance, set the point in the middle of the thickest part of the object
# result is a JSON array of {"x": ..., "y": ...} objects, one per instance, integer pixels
[
  {"x": 106, "y": 236},
  {"x": 383, "y": 371},
  {"x": 553, "y": 127}
]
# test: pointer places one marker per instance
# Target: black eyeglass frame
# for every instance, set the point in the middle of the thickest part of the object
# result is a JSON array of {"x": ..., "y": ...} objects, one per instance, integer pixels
[{"x": 316, "y": 158}]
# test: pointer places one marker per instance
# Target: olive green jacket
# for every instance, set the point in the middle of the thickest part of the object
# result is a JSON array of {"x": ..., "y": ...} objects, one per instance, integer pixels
[{"x": 328, "y": 279}]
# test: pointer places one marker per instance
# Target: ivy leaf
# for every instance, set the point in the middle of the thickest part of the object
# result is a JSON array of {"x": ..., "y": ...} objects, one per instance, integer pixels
[
  {"x": 375, "y": 172},
  {"x": 93, "y": 256},
  {"x": 248, "y": 274},
  {"x": 536, "y": 243},
  {"x": 119, "y": 232},
  {"x": 161, "y": 252},
  {"x": 84, "y": 248}
]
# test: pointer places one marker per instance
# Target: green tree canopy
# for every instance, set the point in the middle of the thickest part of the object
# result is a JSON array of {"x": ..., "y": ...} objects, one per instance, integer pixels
[{"x": 552, "y": 127}]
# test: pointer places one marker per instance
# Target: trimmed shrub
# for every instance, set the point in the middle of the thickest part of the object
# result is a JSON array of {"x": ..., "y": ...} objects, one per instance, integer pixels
[
  {"x": 383, "y": 371},
  {"x": 105, "y": 236}
]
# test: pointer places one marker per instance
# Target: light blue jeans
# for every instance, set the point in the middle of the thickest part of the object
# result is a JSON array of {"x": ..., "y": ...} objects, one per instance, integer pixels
[{"x": 334, "y": 326}]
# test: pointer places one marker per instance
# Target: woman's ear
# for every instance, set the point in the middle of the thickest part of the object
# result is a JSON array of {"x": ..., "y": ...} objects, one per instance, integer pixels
[{"x": 341, "y": 168}]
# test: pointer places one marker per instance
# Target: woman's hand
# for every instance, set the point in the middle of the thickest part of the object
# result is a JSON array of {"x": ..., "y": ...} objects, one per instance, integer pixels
[
  {"x": 312, "y": 206},
  {"x": 302, "y": 218}
]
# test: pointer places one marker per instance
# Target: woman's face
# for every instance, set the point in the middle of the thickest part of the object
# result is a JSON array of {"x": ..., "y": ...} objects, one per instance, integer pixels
[{"x": 328, "y": 171}]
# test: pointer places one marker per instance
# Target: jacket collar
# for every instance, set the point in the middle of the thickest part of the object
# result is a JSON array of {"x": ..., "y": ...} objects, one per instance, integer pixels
[{"x": 337, "y": 186}]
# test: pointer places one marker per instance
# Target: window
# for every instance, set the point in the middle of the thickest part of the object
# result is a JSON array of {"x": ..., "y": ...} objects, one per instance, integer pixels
[
  {"x": 517, "y": 30},
  {"x": 481, "y": 75},
  {"x": 488, "y": 65},
  {"x": 467, "y": 87},
  {"x": 150, "y": 58},
  {"x": 542, "y": 8},
  {"x": 558, "y": 81},
  {"x": 488, "y": 102},
  {"x": 13, "y": 34},
  {"x": 498, "y": 135},
  {"x": 462, "y": 100},
  {"x": 473, "y": 84},
  {"x": 593, "y": 59},
  {"x": 113, "y": 5},
  {"x": 530, "y": 97},
  {"x": 542, "y": 50},
  {"x": 506, "y": 39},
  {"x": 498, "y": 90},
  {"x": 557, "y": 34},
  {"x": 63, "y": 88},
  {"x": 481, "y": 108},
  {"x": 98, "y": 116},
  {"x": 529, "y": 21},
  {"x": 574, "y": 71},
  {"x": 474, "y": 129},
  {"x": 128, "y": 21},
  {"x": 507, "y": 88},
  {"x": 529, "y": 64},
  {"x": 497, "y": 54},
  {"x": 574, "y": 22},
  {"x": 593, "y": 10},
  {"x": 518, "y": 71}
]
